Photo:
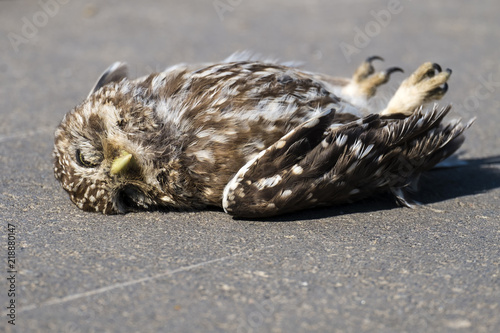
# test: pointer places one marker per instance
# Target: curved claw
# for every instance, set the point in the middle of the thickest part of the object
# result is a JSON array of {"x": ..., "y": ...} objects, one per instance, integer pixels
[
  {"x": 391, "y": 70},
  {"x": 438, "y": 92},
  {"x": 365, "y": 80},
  {"x": 449, "y": 71},
  {"x": 444, "y": 89},
  {"x": 437, "y": 67},
  {"x": 372, "y": 58}
]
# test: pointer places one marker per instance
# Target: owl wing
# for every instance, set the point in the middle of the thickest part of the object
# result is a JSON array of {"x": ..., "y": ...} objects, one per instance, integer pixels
[
  {"x": 319, "y": 164},
  {"x": 267, "y": 184}
]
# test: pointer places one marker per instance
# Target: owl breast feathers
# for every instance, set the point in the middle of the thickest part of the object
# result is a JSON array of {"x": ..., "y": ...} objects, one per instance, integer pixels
[{"x": 253, "y": 137}]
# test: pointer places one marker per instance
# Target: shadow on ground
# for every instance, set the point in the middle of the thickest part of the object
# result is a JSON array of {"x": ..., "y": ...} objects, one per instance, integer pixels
[{"x": 435, "y": 186}]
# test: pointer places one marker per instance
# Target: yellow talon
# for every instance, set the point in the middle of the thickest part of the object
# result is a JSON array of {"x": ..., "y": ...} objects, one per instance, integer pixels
[{"x": 120, "y": 162}]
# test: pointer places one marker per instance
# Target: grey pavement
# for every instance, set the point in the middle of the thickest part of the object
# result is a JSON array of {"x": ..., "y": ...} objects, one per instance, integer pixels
[{"x": 366, "y": 267}]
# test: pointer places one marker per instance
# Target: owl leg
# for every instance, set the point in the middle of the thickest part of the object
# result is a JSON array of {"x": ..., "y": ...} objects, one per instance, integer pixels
[
  {"x": 365, "y": 81},
  {"x": 426, "y": 84}
]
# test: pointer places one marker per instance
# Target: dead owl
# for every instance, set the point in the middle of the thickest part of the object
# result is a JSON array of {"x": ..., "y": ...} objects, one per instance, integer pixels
[{"x": 253, "y": 137}]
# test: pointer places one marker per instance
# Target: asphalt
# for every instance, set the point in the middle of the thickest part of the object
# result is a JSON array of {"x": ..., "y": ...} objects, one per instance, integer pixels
[{"x": 365, "y": 267}]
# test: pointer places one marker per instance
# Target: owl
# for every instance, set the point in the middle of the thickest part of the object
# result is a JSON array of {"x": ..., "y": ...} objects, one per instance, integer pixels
[{"x": 252, "y": 136}]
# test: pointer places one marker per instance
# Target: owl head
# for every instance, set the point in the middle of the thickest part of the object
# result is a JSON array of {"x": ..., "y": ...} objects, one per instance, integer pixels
[{"x": 107, "y": 153}]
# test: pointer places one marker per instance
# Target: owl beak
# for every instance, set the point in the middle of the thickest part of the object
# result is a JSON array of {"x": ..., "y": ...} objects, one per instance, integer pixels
[{"x": 121, "y": 162}]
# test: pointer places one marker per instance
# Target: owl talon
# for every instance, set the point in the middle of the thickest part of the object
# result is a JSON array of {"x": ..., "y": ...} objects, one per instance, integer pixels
[
  {"x": 391, "y": 70},
  {"x": 427, "y": 83},
  {"x": 445, "y": 88},
  {"x": 365, "y": 80},
  {"x": 365, "y": 69},
  {"x": 439, "y": 92},
  {"x": 372, "y": 58}
]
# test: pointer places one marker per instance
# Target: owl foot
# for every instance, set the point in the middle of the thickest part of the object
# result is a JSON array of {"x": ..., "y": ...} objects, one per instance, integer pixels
[
  {"x": 426, "y": 84},
  {"x": 365, "y": 80}
]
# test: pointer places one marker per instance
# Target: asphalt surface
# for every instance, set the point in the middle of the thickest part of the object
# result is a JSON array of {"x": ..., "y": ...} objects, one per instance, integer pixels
[{"x": 369, "y": 266}]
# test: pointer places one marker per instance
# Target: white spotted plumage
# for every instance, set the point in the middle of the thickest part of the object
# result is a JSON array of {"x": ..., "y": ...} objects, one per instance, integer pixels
[{"x": 251, "y": 136}]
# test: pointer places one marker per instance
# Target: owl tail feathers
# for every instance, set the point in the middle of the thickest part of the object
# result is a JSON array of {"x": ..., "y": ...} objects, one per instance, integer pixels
[{"x": 437, "y": 143}]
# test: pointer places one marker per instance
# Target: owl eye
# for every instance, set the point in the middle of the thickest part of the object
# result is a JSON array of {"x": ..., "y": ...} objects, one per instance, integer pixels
[{"x": 84, "y": 162}]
